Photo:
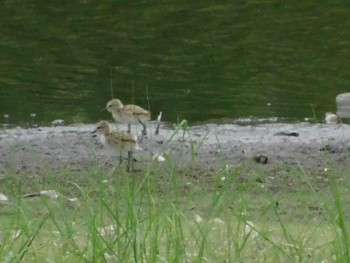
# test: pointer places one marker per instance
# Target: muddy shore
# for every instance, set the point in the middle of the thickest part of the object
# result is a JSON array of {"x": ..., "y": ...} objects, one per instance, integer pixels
[{"x": 315, "y": 147}]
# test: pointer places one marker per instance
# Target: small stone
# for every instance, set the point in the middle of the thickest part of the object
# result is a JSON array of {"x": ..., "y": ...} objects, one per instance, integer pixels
[
  {"x": 110, "y": 230},
  {"x": 261, "y": 159},
  {"x": 3, "y": 198},
  {"x": 57, "y": 122},
  {"x": 158, "y": 157},
  {"x": 218, "y": 220},
  {"x": 50, "y": 193},
  {"x": 331, "y": 118},
  {"x": 198, "y": 219}
]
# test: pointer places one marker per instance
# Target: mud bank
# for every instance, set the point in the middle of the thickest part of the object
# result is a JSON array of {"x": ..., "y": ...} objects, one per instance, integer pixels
[{"x": 211, "y": 146}]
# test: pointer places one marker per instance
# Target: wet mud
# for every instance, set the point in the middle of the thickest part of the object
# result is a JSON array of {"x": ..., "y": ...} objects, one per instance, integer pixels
[{"x": 204, "y": 148}]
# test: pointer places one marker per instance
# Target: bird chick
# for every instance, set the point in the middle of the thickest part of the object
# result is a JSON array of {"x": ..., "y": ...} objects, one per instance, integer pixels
[
  {"x": 128, "y": 114},
  {"x": 121, "y": 141}
]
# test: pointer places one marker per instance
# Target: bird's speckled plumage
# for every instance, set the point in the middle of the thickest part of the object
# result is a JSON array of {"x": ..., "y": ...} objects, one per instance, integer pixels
[
  {"x": 127, "y": 113},
  {"x": 119, "y": 140}
]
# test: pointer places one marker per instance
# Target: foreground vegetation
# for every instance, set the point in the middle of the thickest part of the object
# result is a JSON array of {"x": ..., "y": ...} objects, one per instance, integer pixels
[
  {"x": 162, "y": 216},
  {"x": 171, "y": 213}
]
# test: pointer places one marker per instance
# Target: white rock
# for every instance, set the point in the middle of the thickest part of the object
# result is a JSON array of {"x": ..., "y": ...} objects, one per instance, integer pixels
[
  {"x": 3, "y": 198},
  {"x": 57, "y": 122},
  {"x": 343, "y": 105},
  {"x": 250, "y": 229},
  {"x": 108, "y": 230},
  {"x": 50, "y": 193},
  {"x": 158, "y": 157},
  {"x": 217, "y": 220},
  {"x": 198, "y": 218},
  {"x": 331, "y": 118},
  {"x": 16, "y": 233}
]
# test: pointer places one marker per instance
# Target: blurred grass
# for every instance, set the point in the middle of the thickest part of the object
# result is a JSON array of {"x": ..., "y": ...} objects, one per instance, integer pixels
[{"x": 169, "y": 217}]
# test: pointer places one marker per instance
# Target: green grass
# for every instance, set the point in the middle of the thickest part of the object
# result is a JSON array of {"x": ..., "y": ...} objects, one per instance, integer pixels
[
  {"x": 163, "y": 214},
  {"x": 158, "y": 219}
]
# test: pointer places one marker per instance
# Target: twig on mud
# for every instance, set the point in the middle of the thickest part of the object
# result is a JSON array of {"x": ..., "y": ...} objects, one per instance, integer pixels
[{"x": 156, "y": 132}]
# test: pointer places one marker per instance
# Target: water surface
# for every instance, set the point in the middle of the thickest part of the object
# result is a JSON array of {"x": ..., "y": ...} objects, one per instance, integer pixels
[{"x": 196, "y": 60}]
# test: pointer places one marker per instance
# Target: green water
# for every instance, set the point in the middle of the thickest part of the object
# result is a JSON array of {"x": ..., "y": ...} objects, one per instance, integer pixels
[{"x": 197, "y": 60}]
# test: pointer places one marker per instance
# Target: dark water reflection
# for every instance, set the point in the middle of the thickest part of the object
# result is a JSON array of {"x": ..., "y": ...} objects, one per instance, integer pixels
[{"x": 197, "y": 60}]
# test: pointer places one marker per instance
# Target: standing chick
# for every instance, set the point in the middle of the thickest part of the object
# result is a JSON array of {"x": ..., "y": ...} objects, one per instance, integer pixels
[
  {"x": 129, "y": 114},
  {"x": 118, "y": 140}
]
